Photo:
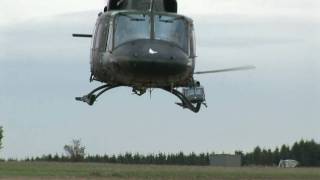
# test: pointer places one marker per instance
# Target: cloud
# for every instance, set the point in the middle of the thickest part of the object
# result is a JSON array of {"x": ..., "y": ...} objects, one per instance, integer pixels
[
  {"x": 20, "y": 10},
  {"x": 294, "y": 9},
  {"x": 265, "y": 8}
]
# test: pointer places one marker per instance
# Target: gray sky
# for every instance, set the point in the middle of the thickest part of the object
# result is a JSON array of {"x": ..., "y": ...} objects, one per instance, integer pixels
[
  {"x": 42, "y": 69},
  {"x": 19, "y": 10}
]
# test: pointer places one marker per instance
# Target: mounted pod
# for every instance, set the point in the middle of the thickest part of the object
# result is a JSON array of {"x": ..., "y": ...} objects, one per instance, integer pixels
[{"x": 194, "y": 94}]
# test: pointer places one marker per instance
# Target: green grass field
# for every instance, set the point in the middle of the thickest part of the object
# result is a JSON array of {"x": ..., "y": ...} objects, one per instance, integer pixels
[{"x": 14, "y": 170}]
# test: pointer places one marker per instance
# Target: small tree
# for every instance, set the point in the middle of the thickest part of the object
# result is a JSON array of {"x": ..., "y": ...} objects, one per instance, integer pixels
[
  {"x": 1, "y": 136},
  {"x": 75, "y": 151}
]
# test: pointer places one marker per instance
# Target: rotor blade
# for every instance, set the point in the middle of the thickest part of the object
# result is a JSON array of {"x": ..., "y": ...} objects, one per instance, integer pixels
[
  {"x": 82, "y": 35},
  {"x": 227, "y": 70}
]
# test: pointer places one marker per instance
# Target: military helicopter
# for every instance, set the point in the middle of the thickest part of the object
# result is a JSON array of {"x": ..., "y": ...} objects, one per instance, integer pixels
[{"x": 145, "y": 45}]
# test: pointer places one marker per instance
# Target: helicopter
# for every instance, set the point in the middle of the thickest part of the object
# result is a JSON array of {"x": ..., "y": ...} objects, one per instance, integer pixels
[{"x": 145, "y": 45}]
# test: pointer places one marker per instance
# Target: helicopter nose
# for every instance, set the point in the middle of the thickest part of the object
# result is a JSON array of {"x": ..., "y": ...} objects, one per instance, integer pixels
[{"x": 152, "y": 58}]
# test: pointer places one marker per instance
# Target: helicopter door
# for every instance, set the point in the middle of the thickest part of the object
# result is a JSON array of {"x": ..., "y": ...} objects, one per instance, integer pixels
[{"x": 99, "y": 44}]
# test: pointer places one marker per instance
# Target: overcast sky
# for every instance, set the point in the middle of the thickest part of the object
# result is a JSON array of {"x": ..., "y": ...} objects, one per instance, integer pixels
[
  {"x": 19, "y": 10},
  {"x": 42, "y": 69}
]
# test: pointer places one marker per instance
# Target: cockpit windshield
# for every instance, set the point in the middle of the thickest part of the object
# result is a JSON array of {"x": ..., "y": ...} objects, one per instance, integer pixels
[
  {"x": 129, "y": 27},
  {"x": 173, "y": 29}
]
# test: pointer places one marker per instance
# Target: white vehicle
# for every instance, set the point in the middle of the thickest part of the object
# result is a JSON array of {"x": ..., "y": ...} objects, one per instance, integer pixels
[{"x": 288, "y": 163}]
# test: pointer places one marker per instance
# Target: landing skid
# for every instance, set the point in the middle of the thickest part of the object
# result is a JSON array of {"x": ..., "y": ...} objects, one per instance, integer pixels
[
  {"x": 185, "y": 103},
  {"x": 92, "y": 97}
]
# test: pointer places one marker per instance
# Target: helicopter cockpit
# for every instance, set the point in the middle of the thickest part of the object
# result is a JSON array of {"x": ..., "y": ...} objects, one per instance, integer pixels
[
  {"x": 126, "y": 21},
  {"x": 132, "y": 26}
]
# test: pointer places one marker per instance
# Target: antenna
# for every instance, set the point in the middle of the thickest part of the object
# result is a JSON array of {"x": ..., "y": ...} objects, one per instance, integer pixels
[
  {"x": 151, "y": 11},
  {"x": 151, "y": 5}
]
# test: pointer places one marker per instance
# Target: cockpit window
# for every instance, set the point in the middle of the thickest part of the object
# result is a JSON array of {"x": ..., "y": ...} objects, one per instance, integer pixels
[
  {"x": 129, "y": 27},
  {"x": 172, "y": 29}
]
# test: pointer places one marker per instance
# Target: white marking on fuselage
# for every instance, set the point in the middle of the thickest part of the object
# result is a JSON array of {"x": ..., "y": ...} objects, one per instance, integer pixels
[{"x": 151, "y": 51}]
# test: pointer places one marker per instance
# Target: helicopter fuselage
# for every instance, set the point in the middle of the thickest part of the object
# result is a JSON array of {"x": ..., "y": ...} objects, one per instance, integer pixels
[
  {"x": 145, "y": 44},
  {"x": 143, "y": 49}
]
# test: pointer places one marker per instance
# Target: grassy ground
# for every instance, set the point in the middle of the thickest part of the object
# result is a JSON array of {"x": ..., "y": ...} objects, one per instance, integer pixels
[{"x": 13, "y": 171}]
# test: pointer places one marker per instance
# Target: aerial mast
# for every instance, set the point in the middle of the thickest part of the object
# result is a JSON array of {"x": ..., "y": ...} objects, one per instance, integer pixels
[
  {"x": 151, "y": 10},
  {"x": 151, "y": 6}
]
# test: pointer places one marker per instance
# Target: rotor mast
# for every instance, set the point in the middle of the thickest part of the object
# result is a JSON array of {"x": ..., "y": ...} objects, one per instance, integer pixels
[{"x": 151, "y": 11}]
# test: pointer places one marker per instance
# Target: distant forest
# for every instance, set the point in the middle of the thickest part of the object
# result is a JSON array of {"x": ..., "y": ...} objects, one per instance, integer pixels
[{"x": 306, "y": 152}]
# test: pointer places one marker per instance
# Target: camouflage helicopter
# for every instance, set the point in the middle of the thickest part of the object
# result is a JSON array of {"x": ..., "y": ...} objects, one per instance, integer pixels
[{"x": 144, "y": 45}]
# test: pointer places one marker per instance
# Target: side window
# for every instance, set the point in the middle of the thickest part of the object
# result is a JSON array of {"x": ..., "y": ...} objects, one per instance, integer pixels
[
  {"x": 110, "y": 38},
  {"x": 99, "y": 36},
  {"x": 192, "y": 42},
  {"x": 94, "y": 39},
  {"x": 106, "y": 34}
]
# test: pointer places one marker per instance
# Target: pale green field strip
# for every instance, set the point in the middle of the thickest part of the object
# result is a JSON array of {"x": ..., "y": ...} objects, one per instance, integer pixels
[{"x": 15, "y": 170}]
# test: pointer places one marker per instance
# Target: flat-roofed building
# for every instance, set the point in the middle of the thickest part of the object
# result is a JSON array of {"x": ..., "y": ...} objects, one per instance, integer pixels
[{"x": 225, "y": 160}]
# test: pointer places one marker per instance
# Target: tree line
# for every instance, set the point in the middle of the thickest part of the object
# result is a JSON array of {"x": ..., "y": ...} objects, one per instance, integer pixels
[
  {"x": 75, "y": 152},
  {"x": 130, "y": 158},
  {"x": 307, "y": 153},
  {"x": 1, "y": 136}
]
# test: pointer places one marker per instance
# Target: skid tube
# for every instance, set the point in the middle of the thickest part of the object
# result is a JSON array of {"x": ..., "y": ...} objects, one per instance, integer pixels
[
  {"x": 91, "y": 98},
  {"x": 185, "y": 102}
]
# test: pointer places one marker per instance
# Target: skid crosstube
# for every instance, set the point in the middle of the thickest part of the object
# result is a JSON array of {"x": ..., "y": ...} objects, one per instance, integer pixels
[{"x": 91, "y": 98}]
